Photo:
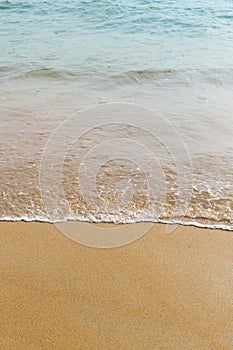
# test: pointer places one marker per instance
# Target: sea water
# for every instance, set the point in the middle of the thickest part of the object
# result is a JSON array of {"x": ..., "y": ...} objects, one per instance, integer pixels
[{"x": 117, "y": 111}]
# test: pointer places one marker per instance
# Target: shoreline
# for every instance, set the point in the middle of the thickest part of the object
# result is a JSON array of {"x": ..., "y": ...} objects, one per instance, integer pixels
[
  {"x": 163, "y": 291},
  {"x": 195, "y": 224}
]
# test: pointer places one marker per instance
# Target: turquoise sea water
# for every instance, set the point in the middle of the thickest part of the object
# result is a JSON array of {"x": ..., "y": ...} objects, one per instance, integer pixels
[
  {"x": 100, "y": 40},
  {"x": 172, "y": 57}
]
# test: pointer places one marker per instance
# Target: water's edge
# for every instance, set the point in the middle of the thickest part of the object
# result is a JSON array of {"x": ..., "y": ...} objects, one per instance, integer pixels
[{"x": 172, "y": 222}]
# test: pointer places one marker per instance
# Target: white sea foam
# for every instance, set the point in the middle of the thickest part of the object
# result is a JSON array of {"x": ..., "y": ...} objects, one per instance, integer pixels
[{"x": 111, "y": 221}]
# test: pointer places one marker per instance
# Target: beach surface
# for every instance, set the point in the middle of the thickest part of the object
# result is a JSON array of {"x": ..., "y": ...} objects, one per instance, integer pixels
[{"x": 163, "y": 291}]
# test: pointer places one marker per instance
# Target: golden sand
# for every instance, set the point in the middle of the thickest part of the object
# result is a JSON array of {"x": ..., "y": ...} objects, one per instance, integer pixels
[{"x": 160, "y": 292}]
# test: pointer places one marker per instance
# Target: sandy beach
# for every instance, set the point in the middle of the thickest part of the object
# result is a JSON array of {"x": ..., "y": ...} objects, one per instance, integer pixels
[
  {"x": 116, "y": 112},
  {"x": 163, "y": 291}
]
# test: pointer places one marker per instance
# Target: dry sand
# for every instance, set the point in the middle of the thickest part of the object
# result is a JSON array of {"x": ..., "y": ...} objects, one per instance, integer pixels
[{"x": 161, "y": 292}]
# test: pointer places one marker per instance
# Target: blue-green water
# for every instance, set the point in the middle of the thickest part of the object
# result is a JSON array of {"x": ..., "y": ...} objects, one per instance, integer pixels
[
  {"x": 103, "y": 40},
  {"x": 172, "y": 57}
]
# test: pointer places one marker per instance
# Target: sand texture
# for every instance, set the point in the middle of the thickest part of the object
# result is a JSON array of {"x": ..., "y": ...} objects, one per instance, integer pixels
[{"x": 163, "y": 291}]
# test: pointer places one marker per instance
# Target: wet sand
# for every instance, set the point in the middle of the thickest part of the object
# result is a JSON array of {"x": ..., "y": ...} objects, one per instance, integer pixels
[{"x": 163, "y": 291}]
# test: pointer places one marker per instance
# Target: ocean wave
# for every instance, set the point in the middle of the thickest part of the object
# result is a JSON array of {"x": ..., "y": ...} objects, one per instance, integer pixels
[
  {"x": 140, "y": 76},
  {"x": 5, "y": 69},
  {"x": 185, "y": 77},
  {"x": 15, "y": 5},
  {"x": 116, "y": 222},
  {"x": 50, "y": 73}
]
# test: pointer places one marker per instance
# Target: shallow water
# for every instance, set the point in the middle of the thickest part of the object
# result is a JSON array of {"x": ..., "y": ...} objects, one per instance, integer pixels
[{"x": 163, "y": 152}]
